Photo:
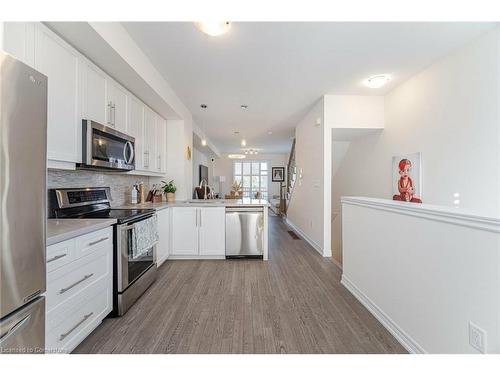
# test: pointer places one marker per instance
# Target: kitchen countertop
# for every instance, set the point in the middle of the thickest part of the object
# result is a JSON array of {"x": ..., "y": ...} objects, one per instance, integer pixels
[
  {"x": 59, "y": 230},
  {"x": 200, "y": 203}
]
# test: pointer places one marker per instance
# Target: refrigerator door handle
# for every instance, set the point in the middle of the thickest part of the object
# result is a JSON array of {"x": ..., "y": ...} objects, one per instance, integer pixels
[{"x": 15, "y": 328}]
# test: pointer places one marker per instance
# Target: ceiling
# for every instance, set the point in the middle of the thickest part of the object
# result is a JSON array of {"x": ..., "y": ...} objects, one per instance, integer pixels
[{"x": 280, "y": 69}]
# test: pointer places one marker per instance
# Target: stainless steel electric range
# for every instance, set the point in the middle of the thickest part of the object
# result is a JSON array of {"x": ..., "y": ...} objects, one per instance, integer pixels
[{"x": 132, "y": 274}]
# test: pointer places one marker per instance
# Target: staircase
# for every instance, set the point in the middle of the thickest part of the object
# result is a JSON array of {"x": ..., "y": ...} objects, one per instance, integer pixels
[{"x": 291, "y": 175}]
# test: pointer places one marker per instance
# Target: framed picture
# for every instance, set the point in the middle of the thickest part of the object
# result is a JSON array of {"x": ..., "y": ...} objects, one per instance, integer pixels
[
  {"x": 407, "y": 178},
  {"x": 278, "y": 174}
]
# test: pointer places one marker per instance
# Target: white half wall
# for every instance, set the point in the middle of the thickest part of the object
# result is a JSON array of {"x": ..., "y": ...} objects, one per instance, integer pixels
[
  {"x": 424, "y": 271},
  {"x": 448, "y": 112}
]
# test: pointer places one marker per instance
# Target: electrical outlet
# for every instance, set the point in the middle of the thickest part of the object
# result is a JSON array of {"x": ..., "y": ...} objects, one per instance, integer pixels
[{"x": 477, "y": 337}]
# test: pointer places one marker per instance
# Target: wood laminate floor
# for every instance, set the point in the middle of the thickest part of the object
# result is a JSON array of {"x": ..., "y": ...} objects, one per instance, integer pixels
[{"x": 293, "y": 303}]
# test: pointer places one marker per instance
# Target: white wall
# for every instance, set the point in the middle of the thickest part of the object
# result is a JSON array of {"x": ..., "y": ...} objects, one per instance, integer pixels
[
  {"x": 307, "y": 205},
  {"x": 449, "y": 112},
  {"x": 424, "y": 271},
  {"x": 224, "y": 167}
]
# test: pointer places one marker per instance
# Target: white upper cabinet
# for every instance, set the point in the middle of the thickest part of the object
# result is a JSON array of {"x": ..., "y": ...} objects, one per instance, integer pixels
[
  {"x": 60, "y": 63},
  {"x": 212, "y": 227},
  {"x": 117, "y": 106},
  {"x": 19, "y": 41},
  {"x": 94, "y": 94},
  {"x": 149, "y": 143},
  {"x": 136, "y": 129},
  {"x": 161, "y": 144}
]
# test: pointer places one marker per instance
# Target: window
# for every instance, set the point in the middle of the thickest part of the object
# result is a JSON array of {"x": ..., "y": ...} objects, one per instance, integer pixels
[{"x": 253, "y": 176}]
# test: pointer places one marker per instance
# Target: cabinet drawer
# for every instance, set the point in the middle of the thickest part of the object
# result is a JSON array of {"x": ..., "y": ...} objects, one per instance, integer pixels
[
  {"x": 94, "y": 241},
  {"x": 72, "y": 321},
  {"x": 60, "y": 254},
  {"x": 67, "y": 281}
]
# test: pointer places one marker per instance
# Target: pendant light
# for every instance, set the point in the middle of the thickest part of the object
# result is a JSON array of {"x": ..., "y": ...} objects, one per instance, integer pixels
[{"x": 203, "y": 140}]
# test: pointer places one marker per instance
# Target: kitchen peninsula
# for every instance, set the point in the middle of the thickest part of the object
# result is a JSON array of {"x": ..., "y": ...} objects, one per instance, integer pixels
[{"x": 210, "y": 229}]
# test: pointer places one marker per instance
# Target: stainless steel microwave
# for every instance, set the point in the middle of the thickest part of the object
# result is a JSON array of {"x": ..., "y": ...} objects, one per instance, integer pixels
[{"x": 105, "y": 147}]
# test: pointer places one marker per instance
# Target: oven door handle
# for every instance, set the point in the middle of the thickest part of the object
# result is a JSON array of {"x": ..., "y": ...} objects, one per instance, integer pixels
[{"x": 128, "y": 145}]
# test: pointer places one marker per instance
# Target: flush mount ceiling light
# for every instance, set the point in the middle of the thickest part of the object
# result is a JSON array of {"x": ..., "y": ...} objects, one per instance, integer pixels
[
  {"x": 375, "y": 82},
  {"x": 213, "y": 28},
  {"x": 269, "y": 132},
  {"x": 243, "y": 142},
  {"x": 236, "y": 156},
  {"x": 203, "y": 142}
]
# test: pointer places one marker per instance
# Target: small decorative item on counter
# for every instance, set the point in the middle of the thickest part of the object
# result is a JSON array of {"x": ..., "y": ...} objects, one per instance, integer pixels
[
  {"x": 169, "y": 189},
  {"x": 155, "y": 194},
  {"x": 236, "y": 189},
  {"x": 142, "y": 197},
  {"x": 134, "y": 194},
  {"x": 407, "y": 178}
]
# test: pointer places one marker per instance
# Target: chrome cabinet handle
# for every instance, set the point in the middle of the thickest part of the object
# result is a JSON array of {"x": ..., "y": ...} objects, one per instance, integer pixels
[
  {"x": 56, "y": 257},
  {"x": 16, "y": 327},
  {"x": 64, "y": 290},
  {"x": 85, "y": 317},
  {"x": 109, "y": 114},
  {"x": 114, "y": 114},
  {"x": 96, "y": 242},
  {"x": 159, "y": 162}
]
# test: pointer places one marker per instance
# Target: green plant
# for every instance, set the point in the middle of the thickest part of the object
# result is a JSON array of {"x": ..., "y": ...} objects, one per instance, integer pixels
[{"x": 169, "y": 187}]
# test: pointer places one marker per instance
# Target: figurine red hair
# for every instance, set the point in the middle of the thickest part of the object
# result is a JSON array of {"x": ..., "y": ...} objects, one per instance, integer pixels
[{"x": 405, "y": 184}]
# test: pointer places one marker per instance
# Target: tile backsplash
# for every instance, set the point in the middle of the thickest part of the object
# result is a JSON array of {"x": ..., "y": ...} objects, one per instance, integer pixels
[{"x": 119, "y": 183}]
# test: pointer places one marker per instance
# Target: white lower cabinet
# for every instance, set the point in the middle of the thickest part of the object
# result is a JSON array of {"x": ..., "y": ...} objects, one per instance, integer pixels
[
  {"x": 198, "y": 232},
  {"x": 212, "y": 231},
  {"x": 79, "y": 288},
  {"x": 164, "y": 235}
]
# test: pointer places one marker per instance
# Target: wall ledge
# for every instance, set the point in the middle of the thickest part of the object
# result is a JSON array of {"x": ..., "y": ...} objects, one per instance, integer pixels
[{"x": 445, "y": 214}]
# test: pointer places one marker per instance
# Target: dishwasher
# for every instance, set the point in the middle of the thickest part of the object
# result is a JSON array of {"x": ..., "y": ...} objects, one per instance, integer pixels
[{"x": 244, "y": 232}]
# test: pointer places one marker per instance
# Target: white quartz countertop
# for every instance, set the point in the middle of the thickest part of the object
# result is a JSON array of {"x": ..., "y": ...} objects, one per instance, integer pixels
[
  {"x": 59, "y": 230},
  {"x": 201, "y": 203}
]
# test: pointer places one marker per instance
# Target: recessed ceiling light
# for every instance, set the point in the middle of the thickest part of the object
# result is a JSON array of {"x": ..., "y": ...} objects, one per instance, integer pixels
[
  {"x": 236, "y": 156},
  {"x": 243, "y": 142},
  {"x": 377, "y": 81},
  {"x": 269, "y": 132},
  {"x": 203, "y": 142},
  {"x": 244, "y": 106},
  {"x": 213, "y": 28}
]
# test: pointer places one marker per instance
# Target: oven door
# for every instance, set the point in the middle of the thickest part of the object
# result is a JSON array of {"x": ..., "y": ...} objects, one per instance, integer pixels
[
  {"x": 129, "y": 268},
  {"x": 105, "y": 147}
]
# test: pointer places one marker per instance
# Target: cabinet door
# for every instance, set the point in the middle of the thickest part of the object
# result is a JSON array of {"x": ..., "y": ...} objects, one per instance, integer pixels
[
  {"x": 212, "y": 224},
  {"x": 161, "y": 144},
  {"x": 184, "y": 231},
  {"x": 150, "y": 140},
  {"x": 136, "y": 130},
  {"x": 59, "y": 62},
  {"x": 117, "y": 99},
  {"x": 94, "y": 95},
  {"x": 162, "y": 249},
  {"x": 18, "y": 40}
]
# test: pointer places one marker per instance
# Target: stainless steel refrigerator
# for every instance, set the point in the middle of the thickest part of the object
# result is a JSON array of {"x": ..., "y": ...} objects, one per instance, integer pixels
[{"x": 23, "y": 144}]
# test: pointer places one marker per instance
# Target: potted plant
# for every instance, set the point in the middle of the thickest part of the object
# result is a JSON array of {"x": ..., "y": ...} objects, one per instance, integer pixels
[{"x": 169, "y": 189}]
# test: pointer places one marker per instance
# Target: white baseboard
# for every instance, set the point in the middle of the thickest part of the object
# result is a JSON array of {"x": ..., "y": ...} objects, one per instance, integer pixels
[
  {"x": 301, "y": 234},
  {"x": 404, "y": 339}
]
